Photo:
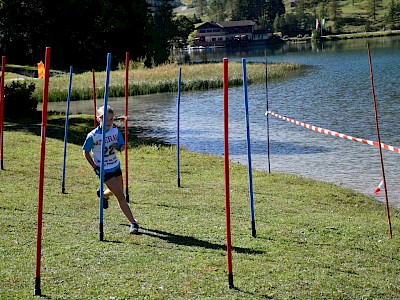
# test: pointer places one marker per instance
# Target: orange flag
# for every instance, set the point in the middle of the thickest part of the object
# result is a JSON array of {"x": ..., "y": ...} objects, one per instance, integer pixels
[{"x": 40, "y": 67}]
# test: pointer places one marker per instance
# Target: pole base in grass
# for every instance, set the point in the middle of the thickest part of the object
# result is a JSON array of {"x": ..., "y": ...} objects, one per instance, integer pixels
[
  {"x": 37, "y": 291},
  {"x": 253, "y": 228},
  {"x": 179, "y": 182},
  {"x": 101, "y": 233},
  {"x": 230, "y": 281},
  {"x": 127, "y": 194}
]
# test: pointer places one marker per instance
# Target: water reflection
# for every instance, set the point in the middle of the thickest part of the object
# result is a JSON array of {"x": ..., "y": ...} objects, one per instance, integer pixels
[{"x": 292, "y": 48}]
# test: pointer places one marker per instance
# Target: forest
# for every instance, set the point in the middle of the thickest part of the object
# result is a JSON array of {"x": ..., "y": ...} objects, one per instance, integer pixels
[
  {"x": 81, "y": 33},
  {"x": 291, "y": 17}
]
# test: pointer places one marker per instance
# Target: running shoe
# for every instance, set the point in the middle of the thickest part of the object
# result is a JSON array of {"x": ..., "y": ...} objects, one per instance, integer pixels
[
  {"x": 105, "y": 200},
  {"x": 134, "y": 228}
]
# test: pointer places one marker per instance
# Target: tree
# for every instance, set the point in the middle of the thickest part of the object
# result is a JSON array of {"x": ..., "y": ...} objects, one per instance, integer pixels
[
  {"x": 335, "y": 12},
  {"x": 184, "y": 27},
  {"x": 245, "y": 9},
  {"x": 322, "y": 11},
  {"x": 393, "y": 16},
  {"x": 18, "y": 100},
  {"x": 277, "y": 24},
  {"x": 290, "y": 24},
  {"x": 162, "y": 32},
  {"x": 372, "y": 7},
  {"x": 238, "y": 10},
  {"x": 201, "y": 6},
  {"x": 16, "y": 19},
  {"x": 125, "y": 28},
  {"x": 98, "y": 27},
  {"x": 272, "y": 9},
  {"x": 216, "y": 10}
]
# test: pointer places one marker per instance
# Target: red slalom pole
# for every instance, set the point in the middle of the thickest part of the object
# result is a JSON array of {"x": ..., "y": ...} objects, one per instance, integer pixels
[
  {"x": 226, "y": 174},
  {"x": 94, "y": 99},
  {"x": 126, "y": 125},
  {"x": 379, "y": 140},
  {"x": 37, "y": 291},
  {"x": 3, "y": 67}
]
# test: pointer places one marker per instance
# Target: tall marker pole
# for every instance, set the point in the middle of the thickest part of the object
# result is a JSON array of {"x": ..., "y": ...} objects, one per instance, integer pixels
[
  {"x": 178, "y": 108},
  {"x": 37, "y": 291},
  {"x": 379, "y": 141},
  {"x": 126, "y": 125},
  {"x": 249, "y": 168},
  {"x": 266, "y": 94},
  {"x": 94, "y": 98},
  {"x": 3, "y": 66},
  {"x": 226, "y": 173},
  {"x": 66, "y": 130},
  {"x": 103, "y": 150}
]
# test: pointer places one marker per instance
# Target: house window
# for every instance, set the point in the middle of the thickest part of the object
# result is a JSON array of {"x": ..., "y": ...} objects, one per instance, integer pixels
[{"x": 202, "y": 31}]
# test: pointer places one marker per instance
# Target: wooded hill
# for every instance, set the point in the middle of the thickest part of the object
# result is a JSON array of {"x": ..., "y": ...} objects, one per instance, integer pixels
[{"x": 299, "y": 15}]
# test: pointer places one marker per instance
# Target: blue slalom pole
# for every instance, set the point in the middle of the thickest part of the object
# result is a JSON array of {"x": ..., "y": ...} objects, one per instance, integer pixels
[
  {"x": 66, "y": 130},
  {"x": 266, "y": 93},
  {"x": 103, "y": 131},
  {"x": 178, "y": 106},
  {"x": 246, "y": 107}
]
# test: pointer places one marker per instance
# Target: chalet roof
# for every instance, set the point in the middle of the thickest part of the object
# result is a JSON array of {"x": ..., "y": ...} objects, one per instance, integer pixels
[
  {"x": 237, "y": 23},
  {"x": 227, "y": 24}
]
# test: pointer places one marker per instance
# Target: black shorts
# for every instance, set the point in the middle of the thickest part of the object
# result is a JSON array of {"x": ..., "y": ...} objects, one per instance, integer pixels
[{"x": 109, "y": 175}]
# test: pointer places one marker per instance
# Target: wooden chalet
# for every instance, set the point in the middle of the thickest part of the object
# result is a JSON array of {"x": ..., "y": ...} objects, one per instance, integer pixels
[{"x": 230, "y": 34}]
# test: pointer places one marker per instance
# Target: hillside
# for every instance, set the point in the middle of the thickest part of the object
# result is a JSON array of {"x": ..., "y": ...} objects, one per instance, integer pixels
[{"x": 354, "y": 14}]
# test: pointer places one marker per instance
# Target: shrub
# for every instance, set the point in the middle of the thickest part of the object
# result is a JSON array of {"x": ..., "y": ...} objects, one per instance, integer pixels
[{"x": 18, "y": 100}]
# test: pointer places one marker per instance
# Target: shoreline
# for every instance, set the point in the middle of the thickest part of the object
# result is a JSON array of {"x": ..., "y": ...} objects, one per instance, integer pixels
[{"x": 345, "y": 36}]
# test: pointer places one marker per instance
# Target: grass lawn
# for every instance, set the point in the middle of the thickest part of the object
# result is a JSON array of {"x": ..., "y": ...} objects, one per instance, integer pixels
[{"x": 314, "y": 240}]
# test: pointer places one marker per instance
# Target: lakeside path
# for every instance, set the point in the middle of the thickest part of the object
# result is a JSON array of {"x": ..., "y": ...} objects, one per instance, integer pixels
[
  {"x": 360, "y": 35},
  {"x": 347, "y": 36}
]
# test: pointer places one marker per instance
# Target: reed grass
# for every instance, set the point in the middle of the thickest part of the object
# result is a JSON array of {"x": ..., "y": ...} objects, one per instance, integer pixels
[{"x": 161, "y": 79}]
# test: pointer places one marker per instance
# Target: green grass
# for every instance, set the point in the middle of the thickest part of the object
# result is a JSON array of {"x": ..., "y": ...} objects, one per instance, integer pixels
[{"x": 314, "y": 240}]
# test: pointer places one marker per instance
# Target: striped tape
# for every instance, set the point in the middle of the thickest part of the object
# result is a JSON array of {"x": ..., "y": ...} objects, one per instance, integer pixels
[{"x": 334, "y": 133}]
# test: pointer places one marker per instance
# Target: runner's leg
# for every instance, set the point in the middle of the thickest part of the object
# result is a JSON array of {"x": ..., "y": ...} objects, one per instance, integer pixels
[{"x": 116, "y": 187}]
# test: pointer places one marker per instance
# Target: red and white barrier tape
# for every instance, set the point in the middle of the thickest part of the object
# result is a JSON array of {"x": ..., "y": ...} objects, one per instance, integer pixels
[
  {"x": 334, "y": 133},
  {"x": 378, "y": 188},
  {"x": 340, "y": 135}
]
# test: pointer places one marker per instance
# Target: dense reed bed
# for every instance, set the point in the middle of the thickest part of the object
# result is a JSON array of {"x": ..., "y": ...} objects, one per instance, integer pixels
[{"x": 161, "y": 79}]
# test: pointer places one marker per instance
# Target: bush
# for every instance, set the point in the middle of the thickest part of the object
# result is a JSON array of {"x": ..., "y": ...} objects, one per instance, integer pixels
[{"x": 18, "y": 100}]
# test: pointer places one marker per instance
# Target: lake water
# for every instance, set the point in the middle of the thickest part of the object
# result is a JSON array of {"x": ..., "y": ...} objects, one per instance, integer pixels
[{"x": 334, "y": 93}]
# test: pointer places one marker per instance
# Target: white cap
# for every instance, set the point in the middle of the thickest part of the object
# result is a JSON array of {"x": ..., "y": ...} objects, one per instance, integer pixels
[{"x": 100, "y": 110}]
